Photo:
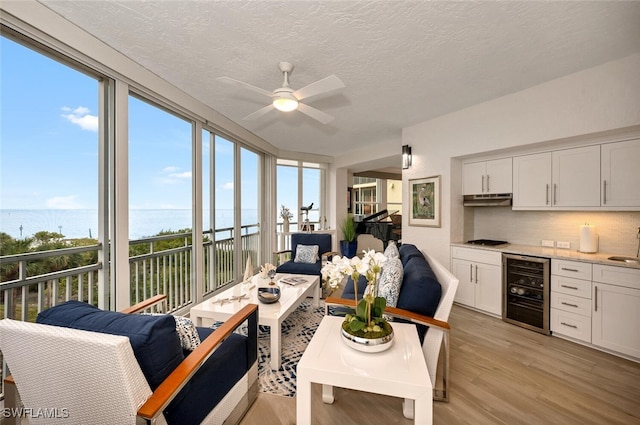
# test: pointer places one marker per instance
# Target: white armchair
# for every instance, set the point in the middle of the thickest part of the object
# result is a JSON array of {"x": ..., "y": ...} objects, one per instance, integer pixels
[{"x": 73, "y": 376}]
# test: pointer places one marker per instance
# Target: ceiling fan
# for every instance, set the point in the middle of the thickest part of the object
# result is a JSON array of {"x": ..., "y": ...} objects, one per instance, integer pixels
[{"x": 286, "y": 99}]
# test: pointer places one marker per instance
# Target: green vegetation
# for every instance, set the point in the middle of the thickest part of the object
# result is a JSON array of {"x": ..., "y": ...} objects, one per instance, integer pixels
[{"x": 348, "y": 228}]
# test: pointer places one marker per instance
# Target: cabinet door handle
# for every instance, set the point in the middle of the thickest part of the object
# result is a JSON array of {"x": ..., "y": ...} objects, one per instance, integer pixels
[
  {"x": 567, "y": 324},
  {"x": 569, "y": 287},
  {"x": 569, "y": 304},
  {"x": 488, "y": 182},
  {"x": 483, "y": 183},
  {"x": 569, "y": 270},
  {"x": 471, "y": 273},
  {"x": 476, "y": 273},
  {"x": 555, "y": 193},
  {"x": 547, "y": 195},
  {"x": 595, "y": 297},
  {"x": 604, "y": 190}
]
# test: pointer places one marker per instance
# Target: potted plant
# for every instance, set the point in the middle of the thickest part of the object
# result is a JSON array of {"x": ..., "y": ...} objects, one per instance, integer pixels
[
  {"x": 348, "y": 244},
  {"x": 364, "y": 328}
]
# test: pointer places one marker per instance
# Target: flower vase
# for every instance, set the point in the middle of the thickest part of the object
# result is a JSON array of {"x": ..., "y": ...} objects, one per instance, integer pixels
[
  {"x": 285, "y": 225},
  {"x": 367, "y": 345}
]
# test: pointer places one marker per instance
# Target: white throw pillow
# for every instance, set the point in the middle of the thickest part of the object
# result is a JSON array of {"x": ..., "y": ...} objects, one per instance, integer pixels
[
  {"x": 391, "y": 281},
  {"x": 186, "y": 330},
  {"x": 392, "y": 250},
  {"x": 306, "y": 254}
]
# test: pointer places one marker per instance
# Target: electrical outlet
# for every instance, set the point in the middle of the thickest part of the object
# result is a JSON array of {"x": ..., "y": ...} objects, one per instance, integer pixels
[
  {"x": 565, "y": 245},
  {"x": 547, "y": 243}
]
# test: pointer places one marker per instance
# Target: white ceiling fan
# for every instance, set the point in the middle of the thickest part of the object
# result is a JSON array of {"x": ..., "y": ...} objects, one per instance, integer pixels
[{"x": 286, "y": 99}]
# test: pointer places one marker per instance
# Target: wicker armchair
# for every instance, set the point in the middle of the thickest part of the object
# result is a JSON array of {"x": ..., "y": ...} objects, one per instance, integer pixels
[{"x": 74, "y": 376}]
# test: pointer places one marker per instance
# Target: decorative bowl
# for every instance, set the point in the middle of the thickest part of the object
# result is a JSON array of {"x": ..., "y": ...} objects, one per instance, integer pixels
[
  {"x": 367, "y": 345},
  {"x": 269, "y": 295}
]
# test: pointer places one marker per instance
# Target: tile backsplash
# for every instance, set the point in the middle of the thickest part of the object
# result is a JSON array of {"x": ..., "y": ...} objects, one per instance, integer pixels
[{"x": 617, "y": 230}]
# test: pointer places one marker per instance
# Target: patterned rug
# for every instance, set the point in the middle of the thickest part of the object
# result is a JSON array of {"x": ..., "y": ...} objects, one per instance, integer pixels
[{"x": 297, "y": 331}]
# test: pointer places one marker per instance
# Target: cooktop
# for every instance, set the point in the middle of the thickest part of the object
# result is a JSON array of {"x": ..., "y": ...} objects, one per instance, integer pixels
[{"x": 488, "y": 242}]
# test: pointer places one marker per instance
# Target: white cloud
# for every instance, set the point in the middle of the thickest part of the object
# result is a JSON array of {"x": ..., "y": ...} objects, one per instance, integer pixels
[
  {"x": 170, "y": 169},
  {"x": 183, "y": 175},
  {"x": 63, "y": 202},
  {"x": 81, "y": 117},
  {"x": 227, "y": 186}
]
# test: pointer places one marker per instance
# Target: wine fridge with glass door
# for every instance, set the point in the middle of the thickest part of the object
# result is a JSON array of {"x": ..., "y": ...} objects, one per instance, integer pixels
[{"x": 526, "y": 284}]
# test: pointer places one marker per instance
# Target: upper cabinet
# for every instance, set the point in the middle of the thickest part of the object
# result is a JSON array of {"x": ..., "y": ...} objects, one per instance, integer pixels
[
  {"x": 568, "y": 178},
  {"x": 487, "y": 177},
  {"x": 621, "y": 174}
]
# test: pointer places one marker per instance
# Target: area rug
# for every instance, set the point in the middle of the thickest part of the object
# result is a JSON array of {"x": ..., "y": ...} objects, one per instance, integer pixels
[{"x": 297, "y": 331}]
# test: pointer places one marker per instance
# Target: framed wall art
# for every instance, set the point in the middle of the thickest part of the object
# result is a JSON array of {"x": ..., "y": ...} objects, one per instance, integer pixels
[{"x": 424, "y": 195}]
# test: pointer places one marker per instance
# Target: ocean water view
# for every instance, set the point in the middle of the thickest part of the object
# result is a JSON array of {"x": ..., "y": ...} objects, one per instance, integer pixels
[{"x": 79, "y": 223}]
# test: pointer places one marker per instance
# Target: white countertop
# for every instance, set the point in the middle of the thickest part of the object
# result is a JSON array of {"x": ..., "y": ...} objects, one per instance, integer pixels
[{"x": 558, "y": 253}]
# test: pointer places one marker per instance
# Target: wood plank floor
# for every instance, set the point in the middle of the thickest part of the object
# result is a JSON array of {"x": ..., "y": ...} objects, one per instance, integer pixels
[{"x": 500, "y": 374}]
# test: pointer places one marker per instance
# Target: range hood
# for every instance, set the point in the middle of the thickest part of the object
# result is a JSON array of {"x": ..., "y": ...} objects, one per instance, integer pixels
[{"x": 495, "y": 200}]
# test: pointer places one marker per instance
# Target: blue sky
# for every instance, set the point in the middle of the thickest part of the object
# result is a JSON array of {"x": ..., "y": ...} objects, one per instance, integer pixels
[{"x": 49, "y": 143}]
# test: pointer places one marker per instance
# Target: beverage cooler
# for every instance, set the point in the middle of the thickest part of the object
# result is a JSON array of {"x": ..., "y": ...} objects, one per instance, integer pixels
[{"x": 525, "y": 287}]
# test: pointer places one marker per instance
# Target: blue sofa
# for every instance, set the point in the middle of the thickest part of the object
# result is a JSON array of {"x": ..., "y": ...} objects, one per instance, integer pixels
[
  {"x": 158, "y": 350},
  {"x": 420, "y": 291}
]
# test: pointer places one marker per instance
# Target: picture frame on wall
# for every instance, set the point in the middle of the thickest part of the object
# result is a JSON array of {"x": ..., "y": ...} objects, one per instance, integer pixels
[{"x": 424, "y": 196}]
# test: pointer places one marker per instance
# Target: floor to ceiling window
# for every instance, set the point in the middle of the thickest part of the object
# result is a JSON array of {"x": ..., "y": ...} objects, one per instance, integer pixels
[
  {"x": 299, "y": 186},
  {"x": 49, "y": 191},
  {"x": 225, "y": 210},
  {"x": 160, "y": 203}
]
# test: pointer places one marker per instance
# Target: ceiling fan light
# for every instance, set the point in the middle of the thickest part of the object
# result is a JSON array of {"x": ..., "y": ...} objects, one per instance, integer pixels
[{"x": 285, "y": 103}]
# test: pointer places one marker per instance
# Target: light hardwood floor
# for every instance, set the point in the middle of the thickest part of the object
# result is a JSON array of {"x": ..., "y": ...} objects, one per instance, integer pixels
[{"x": 500, "y": 374}]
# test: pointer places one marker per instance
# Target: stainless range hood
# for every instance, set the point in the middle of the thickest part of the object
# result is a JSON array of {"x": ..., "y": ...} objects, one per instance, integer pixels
[{"x": 495, "y": 200}]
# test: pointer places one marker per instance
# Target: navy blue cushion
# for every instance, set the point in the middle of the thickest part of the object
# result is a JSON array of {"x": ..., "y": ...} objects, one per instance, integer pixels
[
  {"x": 407, "y": 252},
  {"x": 323, "y": 240},
  {"x": 154, "y": 339},
  {"x": 421, "y": 290},
  {"x": 349, "y": 293},
  {"x": 300, "y": 268},
  {"x": 211, "y": 382}
]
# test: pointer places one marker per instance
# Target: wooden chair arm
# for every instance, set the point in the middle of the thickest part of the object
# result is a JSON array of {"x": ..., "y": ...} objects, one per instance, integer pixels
[
  {"x": 172, "y": 385},
  {"x": 330, "y": 254},
  {"x": 143, "y": 305},
  {"x": 284, "y": 251},
  {"x": 395, "y": 312}
]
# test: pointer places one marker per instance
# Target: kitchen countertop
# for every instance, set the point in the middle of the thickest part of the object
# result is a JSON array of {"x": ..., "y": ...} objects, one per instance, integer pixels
[{"x": 557, "y": 253}]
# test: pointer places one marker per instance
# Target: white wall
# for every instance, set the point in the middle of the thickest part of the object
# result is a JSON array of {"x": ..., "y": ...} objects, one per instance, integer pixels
[{"x": 599, "y": 99}]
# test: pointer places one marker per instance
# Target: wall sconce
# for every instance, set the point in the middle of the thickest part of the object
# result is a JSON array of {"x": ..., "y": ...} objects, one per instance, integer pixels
[{"x": 406, "y": 156}]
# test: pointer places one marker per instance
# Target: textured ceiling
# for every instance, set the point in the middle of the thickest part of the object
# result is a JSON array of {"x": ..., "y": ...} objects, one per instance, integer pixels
[{"x": 403, "y": 62}]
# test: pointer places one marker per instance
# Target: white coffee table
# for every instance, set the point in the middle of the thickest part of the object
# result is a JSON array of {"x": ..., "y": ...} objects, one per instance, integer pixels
[
  {"x": 400, "y": 371},
  {"x": 272, "y": 315}
]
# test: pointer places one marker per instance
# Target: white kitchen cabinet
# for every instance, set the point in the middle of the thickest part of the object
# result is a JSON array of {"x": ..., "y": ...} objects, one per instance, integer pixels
[
  {"x": 487, "y": 177},
  {"x": 571, "y": 299},
  {"x": 621, "y": 174},
  {"x": 480, "y": 275},
  {"x": 532, "y": 180},
  {"x": 576, "y": 177},
  {"x": 566, "y": 178},
  {"x": 616, "y": 309}
]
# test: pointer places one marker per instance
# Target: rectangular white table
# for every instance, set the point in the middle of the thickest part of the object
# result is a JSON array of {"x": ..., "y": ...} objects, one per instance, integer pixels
[
  {"x": 272, "y": 315},
  {"x": 400, "y": 371}
]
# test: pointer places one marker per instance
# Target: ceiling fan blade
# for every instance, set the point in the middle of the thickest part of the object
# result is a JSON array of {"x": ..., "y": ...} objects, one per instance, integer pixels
[
  {"x": 314, "y": 113},
  {"x": 327, "y": 84},
  {"x": 242, "y": 84},
  {"x": 260, "y": 112}
]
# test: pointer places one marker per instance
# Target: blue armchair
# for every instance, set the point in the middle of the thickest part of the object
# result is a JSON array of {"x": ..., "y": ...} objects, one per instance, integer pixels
[{"x": 321, "y": 240}]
